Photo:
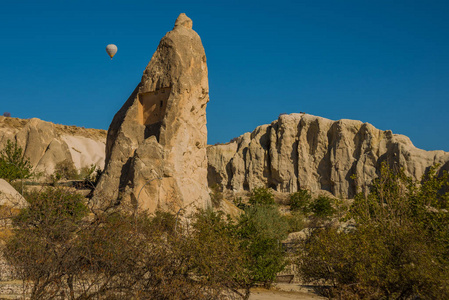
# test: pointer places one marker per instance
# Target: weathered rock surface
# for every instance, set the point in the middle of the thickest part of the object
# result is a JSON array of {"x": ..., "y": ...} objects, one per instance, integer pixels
[
  {"x": 156, "y": 144},
  {"x": 46, "y": 144},
  {"x": 314, "y": 153},
  {"x": 9, "y": 197}
]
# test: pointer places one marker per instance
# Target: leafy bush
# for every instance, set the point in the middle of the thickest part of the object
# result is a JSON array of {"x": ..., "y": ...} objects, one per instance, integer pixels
[
  {"x": 322, "y": 207},
  {"x": 41, "y": 248},
  {"x": 13, "y": 165},
  {"x": 261, "y": 229},
  {"x": 399, "y": 248},
  {"x": 218, "y": 255},
  {"x": 51, "y": 207},
  {"x": 300, "y": 201},
  {"x": 163, "y": 221},
  {"x": 261, "y": 196},
  {"x": 238, "y": 201},
  {"x": 65, "y": 170}
]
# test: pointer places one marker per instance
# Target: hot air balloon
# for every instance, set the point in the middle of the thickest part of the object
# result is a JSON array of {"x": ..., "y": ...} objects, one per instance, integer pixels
[{"x": 111, "y": 49}]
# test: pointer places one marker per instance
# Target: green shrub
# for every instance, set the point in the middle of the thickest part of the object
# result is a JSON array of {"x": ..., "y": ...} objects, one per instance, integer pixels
[
  {"x": 300, "y": 201},
  {"x": 51, "y": 207},
  {"x": 261, "y": 196},
  {"x": 163, "y": 221},
  {"x": 322, "y": 207},
  {"x": 261, "y": 229},
  {"x": 65, "y": 170},
  {"x": 13, "y": 165},
  {"x": 238, "y": 201}
]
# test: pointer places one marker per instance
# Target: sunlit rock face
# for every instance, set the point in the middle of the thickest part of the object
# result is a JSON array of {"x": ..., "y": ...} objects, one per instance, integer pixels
[
  {"x": 156, "y": 144},
  {"x": 314, "y": 153},
  {"x": 46, "y": 144}
]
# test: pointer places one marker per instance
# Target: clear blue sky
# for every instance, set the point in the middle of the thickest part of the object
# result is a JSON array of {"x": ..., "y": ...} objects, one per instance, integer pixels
[{"x": 382, "y": 62}]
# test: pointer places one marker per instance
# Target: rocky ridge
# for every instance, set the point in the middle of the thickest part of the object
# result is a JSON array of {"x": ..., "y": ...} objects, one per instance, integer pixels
[
  {"x": 304, "y": 151},
  {"x": 46, "y": 144}
]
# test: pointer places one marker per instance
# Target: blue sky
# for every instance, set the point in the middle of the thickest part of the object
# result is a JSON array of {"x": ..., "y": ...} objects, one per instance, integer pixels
[{"x": 381, "y": 62}]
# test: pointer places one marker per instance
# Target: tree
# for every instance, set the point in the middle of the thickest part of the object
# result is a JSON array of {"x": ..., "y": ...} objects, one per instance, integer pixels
[
  {"x": 13, "y": 165},
  {"x": 399, "y": 248},
  {"x": 236, "y": 256},
  {"x": 260, "y": 230},
  {"x": 217, "y": 254}
]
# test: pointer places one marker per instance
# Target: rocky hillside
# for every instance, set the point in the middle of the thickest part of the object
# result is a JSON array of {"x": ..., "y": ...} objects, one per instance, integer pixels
[
  {"x": 309, "y": 152},
  {"x": 46, "y": 144},
  {"x": 295, "y": 151}
]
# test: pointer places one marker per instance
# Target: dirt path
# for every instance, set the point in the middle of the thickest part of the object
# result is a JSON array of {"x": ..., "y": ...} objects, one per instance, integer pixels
[
  {"x": 284, "y": 292},
  {"x": 12, "y": 290}
]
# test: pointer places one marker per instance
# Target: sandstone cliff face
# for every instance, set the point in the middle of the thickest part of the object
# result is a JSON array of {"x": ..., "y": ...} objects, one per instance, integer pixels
[
  {"x": 156, "y": 144},
  {"x": 46, "y": 144},
  {"x": 314, "y": 153}
]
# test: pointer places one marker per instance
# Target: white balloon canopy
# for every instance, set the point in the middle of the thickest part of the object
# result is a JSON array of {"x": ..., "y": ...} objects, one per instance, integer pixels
[{"x": 111, "y": 49}]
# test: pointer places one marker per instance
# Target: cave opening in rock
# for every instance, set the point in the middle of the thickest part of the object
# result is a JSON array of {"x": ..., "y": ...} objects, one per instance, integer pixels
[{"x": 151, "y": 110}]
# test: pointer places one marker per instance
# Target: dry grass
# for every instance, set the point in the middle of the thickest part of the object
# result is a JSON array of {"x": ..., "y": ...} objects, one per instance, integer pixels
[
  {"x": 81, "y": 131},
  {"x": 14, "y": 123},
  {"x": 17, "y": 124}
]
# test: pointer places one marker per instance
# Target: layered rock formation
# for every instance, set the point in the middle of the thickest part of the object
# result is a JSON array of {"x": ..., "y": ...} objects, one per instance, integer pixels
[
  {"x": 46, "y": 144},
  {"x": 314, "y": 153},
  {"x": 156, "y": 144}
]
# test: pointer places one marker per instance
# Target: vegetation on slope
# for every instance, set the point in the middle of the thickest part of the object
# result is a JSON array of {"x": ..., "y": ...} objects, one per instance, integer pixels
[
  {"x": 13, "y": 165},
  {"x": 61, "y": 249},
  {"x": 399, "y": 248}
]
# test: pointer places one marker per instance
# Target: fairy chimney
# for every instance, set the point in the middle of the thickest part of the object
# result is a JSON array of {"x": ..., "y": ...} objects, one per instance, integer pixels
[{"x": 156, "y": 144}]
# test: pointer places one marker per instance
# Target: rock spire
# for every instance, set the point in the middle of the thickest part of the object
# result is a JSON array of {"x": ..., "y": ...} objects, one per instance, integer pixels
[{"x": 156, "y": 145}]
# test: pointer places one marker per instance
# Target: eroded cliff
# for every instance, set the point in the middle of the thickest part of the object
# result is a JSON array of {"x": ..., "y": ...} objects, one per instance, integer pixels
[{"x": 314, "y": 153}]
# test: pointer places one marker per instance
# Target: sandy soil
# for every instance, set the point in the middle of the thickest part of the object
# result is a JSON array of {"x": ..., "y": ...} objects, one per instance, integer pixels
[
  {"x": 284, "y": 291},
  {"x": 12, "y": 290}
]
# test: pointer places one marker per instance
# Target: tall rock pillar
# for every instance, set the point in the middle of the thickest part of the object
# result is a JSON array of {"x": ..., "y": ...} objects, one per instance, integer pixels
[{"x": 156, "y": 144}]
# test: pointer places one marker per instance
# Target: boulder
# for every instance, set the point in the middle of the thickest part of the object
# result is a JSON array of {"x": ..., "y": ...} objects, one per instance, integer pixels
[{"x": 156, "y": 144}]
